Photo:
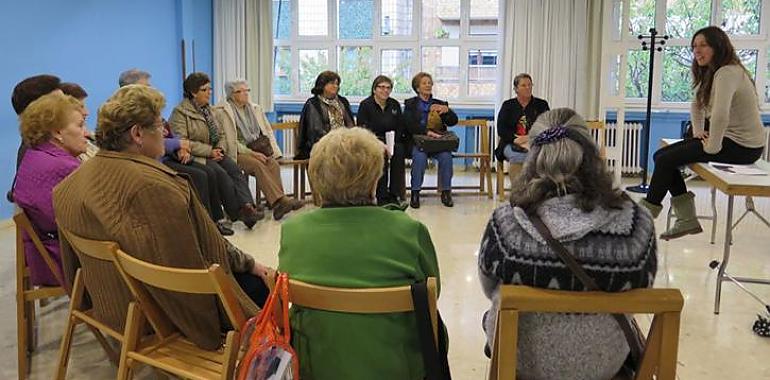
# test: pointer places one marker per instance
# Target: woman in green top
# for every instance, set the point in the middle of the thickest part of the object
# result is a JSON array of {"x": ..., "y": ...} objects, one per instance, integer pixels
[{"x": 350, "y": 242}]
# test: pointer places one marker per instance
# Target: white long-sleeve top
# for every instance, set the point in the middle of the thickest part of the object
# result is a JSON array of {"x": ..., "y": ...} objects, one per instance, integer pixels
[{"x": 733, "y": 112}]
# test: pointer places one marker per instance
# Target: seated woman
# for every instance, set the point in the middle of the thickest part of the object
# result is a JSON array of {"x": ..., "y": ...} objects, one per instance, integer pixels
[
  {"x": 126, "y": 195},
  {"x": 726, "y": 125},
  {"x": 380, "y": 113},
  {"x": 350, "y": 242},
  {"x": 426, "y": 115},
  {"x": 249, "y": 141},
  {"x": 53, "y": 128},
  {"x": 514, "y": 121},
  {"x": 325, "y": 111},
  {"x": 192, "y": 120},
  {"x": 79, "y": 93},
  {"x": 568, "y": 185}
]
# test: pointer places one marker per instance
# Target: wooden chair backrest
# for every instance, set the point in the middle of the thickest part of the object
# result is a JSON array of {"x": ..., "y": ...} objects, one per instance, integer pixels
[
  {"x": 290, "y": 126},
  {"x": 97, "y": 249},
  {"x": 483, "y": 131},
  {"x": 660, "y": 356},
  {"x": 24, "y": 224},
  {"x": 213, "y": 280},
  {"x": 598, "y": 131},
  {"x": 396, "y": 299}
]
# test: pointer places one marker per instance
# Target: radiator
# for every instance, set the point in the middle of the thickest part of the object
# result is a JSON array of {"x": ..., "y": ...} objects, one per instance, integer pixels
[{"x": 287, "y": 143}]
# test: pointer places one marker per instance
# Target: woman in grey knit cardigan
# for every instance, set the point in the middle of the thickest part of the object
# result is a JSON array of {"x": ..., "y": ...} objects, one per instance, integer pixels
[{"x": 567, "y": 184}]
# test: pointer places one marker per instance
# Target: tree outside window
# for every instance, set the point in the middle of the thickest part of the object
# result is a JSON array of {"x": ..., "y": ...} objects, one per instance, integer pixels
[
  {"x": 311, "y": 63},
  {"x": 355, "y": 68}
]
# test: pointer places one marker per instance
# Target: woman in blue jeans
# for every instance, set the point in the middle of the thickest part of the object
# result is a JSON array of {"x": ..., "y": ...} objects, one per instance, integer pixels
[{"x": 417, "y": 118}]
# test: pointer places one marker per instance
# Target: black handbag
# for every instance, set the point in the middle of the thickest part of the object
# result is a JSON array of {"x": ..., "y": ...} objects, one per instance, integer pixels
[
  {"x": 631, "y": 330},
  {"x": 447, "y": 142},
  {"x": 262, "y": 145}
]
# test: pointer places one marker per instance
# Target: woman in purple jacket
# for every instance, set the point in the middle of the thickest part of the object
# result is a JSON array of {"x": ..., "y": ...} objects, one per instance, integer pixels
[{"x": 54, "y": 129}]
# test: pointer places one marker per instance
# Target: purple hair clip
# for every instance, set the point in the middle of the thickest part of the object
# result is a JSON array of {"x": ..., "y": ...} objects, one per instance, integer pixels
[{"x": 550, "y": 135}]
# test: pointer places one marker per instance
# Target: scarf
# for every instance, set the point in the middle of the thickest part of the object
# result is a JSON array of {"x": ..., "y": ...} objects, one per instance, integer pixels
[
  {"x": 336, "y": 116},
  {"x": 210, "y": 123},
  {"x": 247, "y": 123}
]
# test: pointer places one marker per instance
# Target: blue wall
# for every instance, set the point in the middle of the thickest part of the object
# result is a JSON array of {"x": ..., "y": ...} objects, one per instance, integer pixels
[{"x": 90, "y": 42}]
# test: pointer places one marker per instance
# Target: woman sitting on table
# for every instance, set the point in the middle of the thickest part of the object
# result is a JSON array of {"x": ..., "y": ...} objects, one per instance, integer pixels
[
  {"x": 351, "y": 243},
  {"x": 514, "y": 120},
  {"x": 426, "y": 115},
  {"x": 726, "y": 127},
  {"x": 325, "y": 111},
  {"x": 380, "y": 113}
]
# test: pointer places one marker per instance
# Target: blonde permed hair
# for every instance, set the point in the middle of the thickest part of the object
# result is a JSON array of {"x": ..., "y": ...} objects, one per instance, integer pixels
[
  {"x": 345, "y": 166},
  {"x": 46, "y": 115},
  {"x": 131, "y": 105}
]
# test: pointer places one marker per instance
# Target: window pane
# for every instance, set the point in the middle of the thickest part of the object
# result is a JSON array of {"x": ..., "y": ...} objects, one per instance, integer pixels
[
  {"x": 355, "y": 68},
  {"x": 355, "y": 18},
  {"x": 641, "y": 16},
  {"x": 614, "y": 79},
  {"x": 441, "y": 19},
  {"x": 741, "y": 16},
  {"x": 482, "y": 73},
  {"x": 617, "y": 19},
  {"x": 313, "y": 17},
  {"x": 443, "y": 63},
  {"x": 749, "y": 60},
  {"x": 397, "y": 64},
  {"x": 637, "y": 74},
  {"x": 677, "y": 80},
  {"x": 483, "y": 18},
  {"x": 767, "y": 79},
  {"x": 685, "y": 17},
  {"x": 282, "y": 19},
  {"x": 396, "y": 17},
  {"x": 282, "y": 71},
  {"x": 311, "y": 63}
]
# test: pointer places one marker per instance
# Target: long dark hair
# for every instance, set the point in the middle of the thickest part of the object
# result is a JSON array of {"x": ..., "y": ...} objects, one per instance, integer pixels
[
  {"x": 571, "y": 165},
  {"x": 724, "y": 54}
]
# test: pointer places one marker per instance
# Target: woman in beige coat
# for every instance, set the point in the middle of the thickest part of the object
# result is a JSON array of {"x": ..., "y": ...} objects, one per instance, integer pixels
[
  {"x": 124, "y": 194},
  {"x": 192, "y": 120},
  {"x": 249, "y": 141}
]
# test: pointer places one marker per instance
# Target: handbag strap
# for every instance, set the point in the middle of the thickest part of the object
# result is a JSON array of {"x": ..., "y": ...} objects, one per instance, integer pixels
[
  {"x": 628, "y": 330},
  {"x": 436, "y": 365}
]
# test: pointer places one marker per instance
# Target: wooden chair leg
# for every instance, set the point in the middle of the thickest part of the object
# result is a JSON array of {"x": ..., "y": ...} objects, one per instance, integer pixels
[
  {"x": 31, "y": 325},
  {"x": 66, "y": 342},
  {"x": 500, "y": 179},
  {"x": 295, "y": 184},
  {"x": 669, "y": 346},
  {"x": 22, "y": 333},
  {"x": 134, "y": 322},
  {"x": 488, "y": 174},
  {"x": 302, "y": 170},
  {"x": 232, "y": 344},
  {"x": 507, "y": 330}
]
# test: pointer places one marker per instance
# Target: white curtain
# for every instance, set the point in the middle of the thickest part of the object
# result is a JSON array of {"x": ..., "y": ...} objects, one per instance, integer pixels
[
  {"x": 557, "y": 42},
  {"x": 229, "y": 44},
  {"x": 259, "y": 52}
]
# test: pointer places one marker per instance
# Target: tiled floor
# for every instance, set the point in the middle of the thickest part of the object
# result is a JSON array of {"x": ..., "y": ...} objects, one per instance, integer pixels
[{"x": 711, "y": 346}]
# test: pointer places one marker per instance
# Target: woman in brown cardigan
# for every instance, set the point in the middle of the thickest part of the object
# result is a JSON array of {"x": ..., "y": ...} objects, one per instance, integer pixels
[{"x": 124, "y": 194}]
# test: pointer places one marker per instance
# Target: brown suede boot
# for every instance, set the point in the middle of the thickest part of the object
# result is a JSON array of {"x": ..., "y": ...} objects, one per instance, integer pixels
[{"x": 283, "y": 206}]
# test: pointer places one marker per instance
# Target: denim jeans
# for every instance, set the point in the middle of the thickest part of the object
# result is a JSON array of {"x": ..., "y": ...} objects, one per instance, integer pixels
[
  {"x": 513, "y": 156},
  {"x": 420, "y": 163}
]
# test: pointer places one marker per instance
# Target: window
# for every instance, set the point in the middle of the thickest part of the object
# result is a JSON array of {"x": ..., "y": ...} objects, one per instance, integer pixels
[
  {"x": 453, "y": 40},
  {"x": 311, "y": 63},
  {"x": 483, "y": 19},
  {"x": 679, "y": 19},
  {"x": 482, "y": 73},
  {"x": 313, "y": 17}
]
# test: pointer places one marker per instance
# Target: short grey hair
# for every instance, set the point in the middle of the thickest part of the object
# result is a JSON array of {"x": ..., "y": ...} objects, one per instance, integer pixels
[
  {"x": 230, "y": 86},
  {"x": 132, "y": 76},
  {"x": 570, "y": 165}
]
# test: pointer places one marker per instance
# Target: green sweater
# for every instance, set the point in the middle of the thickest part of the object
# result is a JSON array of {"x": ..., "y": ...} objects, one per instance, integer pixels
[{"x": 356, "y": 247}]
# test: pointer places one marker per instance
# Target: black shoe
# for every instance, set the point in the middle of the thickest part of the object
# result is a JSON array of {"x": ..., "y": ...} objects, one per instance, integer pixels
[
  {"x": 446, "y": 198},
  {"x": 415, "y": 202},
  {"x": 224, "y": 230}
]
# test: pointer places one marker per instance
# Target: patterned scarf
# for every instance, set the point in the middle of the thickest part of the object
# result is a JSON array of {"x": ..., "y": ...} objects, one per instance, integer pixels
[
  {"x": 213, "y": 129},
  {"x": 333, "y": 106}
]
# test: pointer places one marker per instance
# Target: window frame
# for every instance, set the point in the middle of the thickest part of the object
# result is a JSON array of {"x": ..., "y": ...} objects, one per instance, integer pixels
[{"x": 414, "y": 41}]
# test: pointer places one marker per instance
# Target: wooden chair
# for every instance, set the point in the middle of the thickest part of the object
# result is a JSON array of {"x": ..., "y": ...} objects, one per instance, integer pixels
[
  {"x": 169, "y": 350},
  {"x": 662, "y": 340},
  {"x": 500, "y": 180},
  {"x": 483, "y": 155},
  {"x": 299, "y": 166},
  {"x": 98, "y": 250},
  {"x": 26, "y": 294},
  {"x": 397, "y": 299}
]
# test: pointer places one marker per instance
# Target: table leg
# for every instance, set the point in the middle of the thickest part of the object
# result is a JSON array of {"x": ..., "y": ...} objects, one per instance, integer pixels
[{"x": 726, "y": 255}]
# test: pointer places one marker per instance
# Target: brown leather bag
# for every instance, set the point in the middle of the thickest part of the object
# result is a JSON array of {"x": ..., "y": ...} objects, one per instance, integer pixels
[{"x": 262, "y": 145}]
